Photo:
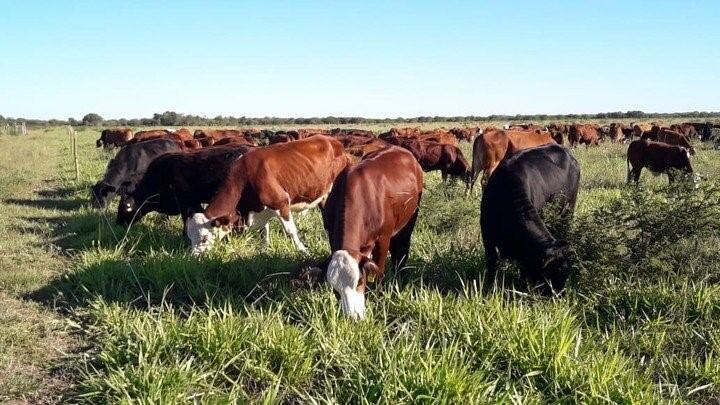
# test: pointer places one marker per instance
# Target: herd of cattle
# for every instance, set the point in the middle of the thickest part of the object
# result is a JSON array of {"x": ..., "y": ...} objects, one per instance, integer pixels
[{"x": 369, "y": 187}]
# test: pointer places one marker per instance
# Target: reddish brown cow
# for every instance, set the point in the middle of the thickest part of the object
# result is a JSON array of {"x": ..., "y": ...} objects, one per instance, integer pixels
[
  {"x": 670, "y": 137},
  {"x": 371, "y": 210},
  {"x": 686, "y": 129},
  {"x": 658, "y": 157},
  {"x": 268, "y": 182},
  {"x": 151, "y": 134},
  {"x": 466, "y": 134},
  {"x": 114, "y": 137},
  {"x": 184, "y": 134},
  {"x": 401, "y": 132},
  {"x": 640, "y": 130},
  {"x": 490, "y": 148},
  {"x": 432, "y": 156},
  {"x": 234, "y": 141},
  {"x": 616, "y": 132},
  {"x": 587, "y": 134}
]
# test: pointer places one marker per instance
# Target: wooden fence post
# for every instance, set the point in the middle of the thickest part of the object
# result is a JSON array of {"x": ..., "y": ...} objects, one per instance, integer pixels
[{"x": 73, "y": 136}]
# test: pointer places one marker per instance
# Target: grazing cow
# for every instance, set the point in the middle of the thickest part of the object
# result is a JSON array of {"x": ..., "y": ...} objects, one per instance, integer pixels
[
  {"x": 510, "y": 214},
  {"x": 670, "y": 137},
  {"x": 371, "y": 210},
  {"x": 587, "y": 134},
  {"x": 358, "y": 151},
  {"x": 525, "y": 127},
  {"x": 213, "y": 136},
  {"x": 268, "y": 182},
  {"x": 493, "y": 146},
  {"x": 114, "y": 137},
  {"x": 432, "y": 156},
  {"x": 466, "y": 134},
  {"x": 178, "y": 183},
  {"x": 686, "y": 129},
  {"x": 658, "y": 157},
  {"x": 183, "y": 134},
  {"x": 283, "y": 137},
  {"x": 127, "y": 168}
]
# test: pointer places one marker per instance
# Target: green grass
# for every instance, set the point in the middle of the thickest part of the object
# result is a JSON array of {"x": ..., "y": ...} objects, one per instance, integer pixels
[{"x": 640, "y": 321}]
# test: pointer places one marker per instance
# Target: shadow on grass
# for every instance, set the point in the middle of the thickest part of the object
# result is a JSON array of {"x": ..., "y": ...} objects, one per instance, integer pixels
[{"x": 48, "y": 203}]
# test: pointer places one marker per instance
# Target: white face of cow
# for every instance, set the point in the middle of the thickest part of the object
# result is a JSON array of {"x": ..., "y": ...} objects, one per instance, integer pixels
[
  {"x": 202, "y": 234},
  {"x": 343, "y": 275}
]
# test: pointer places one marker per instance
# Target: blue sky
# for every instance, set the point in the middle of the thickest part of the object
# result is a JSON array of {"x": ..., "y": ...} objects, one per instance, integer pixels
[{"x": 365, "y": 58}]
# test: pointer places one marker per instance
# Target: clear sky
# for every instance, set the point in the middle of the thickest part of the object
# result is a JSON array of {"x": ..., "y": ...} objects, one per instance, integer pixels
[{"x": 129, "y": 59}]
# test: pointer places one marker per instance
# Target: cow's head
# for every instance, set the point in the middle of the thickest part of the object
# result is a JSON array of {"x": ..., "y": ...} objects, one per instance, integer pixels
[
  {"x": 128, "y": 211},
  {"x": 101, "y": 194},
  {"x": 203, "y": 231},
  {"x": 555, "y": 267},
  {"x": 348, "y": 274}
]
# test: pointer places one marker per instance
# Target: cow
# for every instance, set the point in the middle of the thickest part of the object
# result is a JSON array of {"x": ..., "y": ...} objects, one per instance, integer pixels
[
  {"x": 183, "y": 134},
  {"x": 178, "y": 183},
  {"x": 658, "y": 157},
  {"x": 283, "y": 137},
  {"x": 400, "y": 132},
  {"x": 371, "y": 210},
  {"x": 433, "y": 156},
  {"x": 686, "y": 129},
  {"x": 466, "y": 134},
  {"x": 148, "y": 135},
  {"x": 616, "y": 133},
  {"x": 558, "y": 131},
  {"x": 114, "y": 137},
  {"x": 510, "y": 214},
  {"x": 493, "y": 146},
  {"x": 127, "y": 168},
  {"x": 268, "y": 182},
  {"x": 212, "y": 136},
  {"x": 587, "y": 134},
  {"x": 525, "y": 127},
  {"x": 670, "y": 137},
  {"x": 642, "y": 130}
]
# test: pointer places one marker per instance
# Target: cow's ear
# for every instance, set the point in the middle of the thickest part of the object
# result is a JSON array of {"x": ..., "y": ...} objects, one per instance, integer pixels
[{"x": 369, "y": 269}]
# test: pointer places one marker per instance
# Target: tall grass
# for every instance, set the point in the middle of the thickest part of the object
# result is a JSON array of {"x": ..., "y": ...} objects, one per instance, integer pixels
[{"x": 639, "y": 322}]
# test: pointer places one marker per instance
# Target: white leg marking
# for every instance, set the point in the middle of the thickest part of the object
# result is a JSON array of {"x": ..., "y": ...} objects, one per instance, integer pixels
[
  {"x": 291, "y": 230},
  {"x": 259, "y": 220},
  {"x": 343, "y": 275}
]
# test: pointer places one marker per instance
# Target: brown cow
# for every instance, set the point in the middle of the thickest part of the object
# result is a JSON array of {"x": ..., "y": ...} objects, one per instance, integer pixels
[
  {"x": 432, "y": 156},
  {"x": 616, "y": 132},
  {"x": 640, "y": 130},
  {"x": 686, "y": 129},
  {"x": 151, "y": 134},
  {"x": 371, "y": 210},
  {"x": 658, "y": 157},
  {"x": 670, "y": 137},
  {"x": 183, "y": 134},
  {"x": 558, "y": 131},
  {"x": 490, "y": 148},
  {"x": 588, "y": 134},
  {"x": 466, "y": 134},
  {"x": 401, "y": 132},
  {"x": 114, "y": 137},
  {"x": 269, "y": 182}
]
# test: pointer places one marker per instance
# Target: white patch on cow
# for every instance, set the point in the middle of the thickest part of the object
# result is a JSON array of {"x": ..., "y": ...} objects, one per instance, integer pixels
[
  {"x": 343, "y": 275},
  {"x": 202, "y": 234},
  {"x": 687, "y": 153},
  {"x": 301, "y": 207},
  {"x": 259, "y": 220}
]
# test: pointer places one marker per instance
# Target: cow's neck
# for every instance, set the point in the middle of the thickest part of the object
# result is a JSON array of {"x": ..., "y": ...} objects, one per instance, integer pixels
[{"x": 225, "y": 201}]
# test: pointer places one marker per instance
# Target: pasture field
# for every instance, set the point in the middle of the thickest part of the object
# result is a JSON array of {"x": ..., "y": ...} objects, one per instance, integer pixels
[{"x": 90, "y": 312}]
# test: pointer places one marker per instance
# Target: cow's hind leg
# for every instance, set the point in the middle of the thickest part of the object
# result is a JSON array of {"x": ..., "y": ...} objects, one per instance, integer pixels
[
  {"x": 289, "y": 226},
  {"x": 400, "y": 244}
]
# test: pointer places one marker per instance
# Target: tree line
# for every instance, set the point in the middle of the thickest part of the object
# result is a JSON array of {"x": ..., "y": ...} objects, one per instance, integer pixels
[{"x": 171, "y": 118}]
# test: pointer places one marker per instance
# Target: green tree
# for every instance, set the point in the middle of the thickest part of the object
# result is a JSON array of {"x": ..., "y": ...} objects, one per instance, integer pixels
[{"x": 92, "y": 119}]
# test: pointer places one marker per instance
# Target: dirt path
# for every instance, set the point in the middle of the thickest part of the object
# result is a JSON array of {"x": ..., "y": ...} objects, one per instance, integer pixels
[{"x": 33, "y": 337}]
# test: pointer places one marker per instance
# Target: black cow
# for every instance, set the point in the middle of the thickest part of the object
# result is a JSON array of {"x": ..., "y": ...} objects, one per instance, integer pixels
[
  {"x": 127, "y": 168},
  {"x": 178, "y": 183},
  {"x": 510, "y": 214}
]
